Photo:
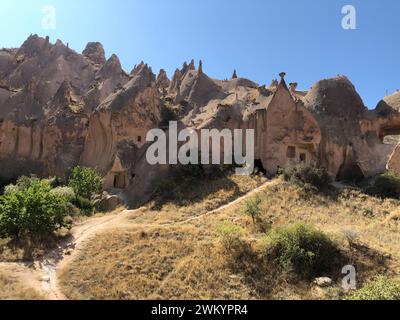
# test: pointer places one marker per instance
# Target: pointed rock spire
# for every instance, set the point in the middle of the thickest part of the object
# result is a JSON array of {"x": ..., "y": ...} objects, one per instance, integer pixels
[
  {"x": 191, "y": 65},
  {"x": 274, "y": 83},
  {"x": 185, "y": 68},
  {"x": 234, "y": 76},
  {"x": 137, "y": 68},
  {"x": 200, "y": 67},
  {"x": 175, "y": 82},
  {"x": 282, "y": 83},
  {"x": 95, "y": 52},
  {"x": 162, "y": 80},
  {"x": 293, "y": 87},
  {"x": 111, "y": 67}
]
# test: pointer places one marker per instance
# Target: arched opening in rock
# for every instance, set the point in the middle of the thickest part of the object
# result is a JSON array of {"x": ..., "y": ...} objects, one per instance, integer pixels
[
  {"x": 259, "y": 167},
  {"x": 350, "y": 172}
]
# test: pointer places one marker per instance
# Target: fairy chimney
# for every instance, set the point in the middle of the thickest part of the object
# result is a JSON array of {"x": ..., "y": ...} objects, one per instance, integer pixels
[{"x": 234, "y": 76}]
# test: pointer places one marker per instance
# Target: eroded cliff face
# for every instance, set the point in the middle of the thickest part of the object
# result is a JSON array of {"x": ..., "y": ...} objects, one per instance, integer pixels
[
  {"x": 351, "y": 146},
  {"x": 127, "y": 115},
  {"x": 48, "y": 94},
  {"x": 59, "y": 109}
]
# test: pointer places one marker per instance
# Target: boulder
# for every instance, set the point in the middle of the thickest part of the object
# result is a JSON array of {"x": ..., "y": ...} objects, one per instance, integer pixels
[
  {"x": 108, "y": 203},
  {"x": 323, "y": 282}
]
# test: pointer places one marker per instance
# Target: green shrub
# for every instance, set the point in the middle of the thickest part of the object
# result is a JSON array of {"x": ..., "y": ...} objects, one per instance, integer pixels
[
  {"x": 85, "y": 205},
  {"x": 385, "y": 186},
  {"x": 10, "y": 189},
  {"x": 252, "y": 207},
  {"x": 302, "y": 249},
  {"x": 31, "y": 210},
  {"x": 65, "y": 192},
  {"x": 229, "y": 235},
  {"x": 380, "y": 289},
  {"x": 309, "y": 177},
  {"x": 85, "y": 182}
]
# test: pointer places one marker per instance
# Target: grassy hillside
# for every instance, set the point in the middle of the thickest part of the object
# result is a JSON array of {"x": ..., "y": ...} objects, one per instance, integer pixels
[
  {"x": 173, "y": 251},
  {"x": 13, "y": 286}
]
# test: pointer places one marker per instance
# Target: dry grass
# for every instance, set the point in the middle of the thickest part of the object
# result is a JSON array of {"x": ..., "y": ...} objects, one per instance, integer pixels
[
  {"x": 152, "y": 256},
  {"x": 13, "y": 287}
]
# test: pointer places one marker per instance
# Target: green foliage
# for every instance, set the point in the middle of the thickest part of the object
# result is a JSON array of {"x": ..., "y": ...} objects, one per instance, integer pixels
[
  {"x": 302, "y": 249},
  {"x": 229, "y": 235},
  {"x": 85, "y": 182},
  {"x": 85, "y": 205},
  {"x": 10, "y": 189},
  {"x": 380, "y": 289},
  {"x": 309, "y": 177},
  {"x": 252, "y": 208},
  {"x": 64, "y": 192},
  {"x": 31, "y": 210},
  {"x": 3, "y": 183},
  {"x": 385, "y": 186}
]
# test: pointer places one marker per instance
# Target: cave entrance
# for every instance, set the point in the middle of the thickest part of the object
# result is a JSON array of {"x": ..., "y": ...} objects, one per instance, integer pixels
[
  {"x": 350, "y": 172},
  {"x": 259, "y": 167},
  {"x": 120, "y": 180}
]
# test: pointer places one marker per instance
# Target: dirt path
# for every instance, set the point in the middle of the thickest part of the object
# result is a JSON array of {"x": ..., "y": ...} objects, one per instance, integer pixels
[{"x": 42, "y": 274}]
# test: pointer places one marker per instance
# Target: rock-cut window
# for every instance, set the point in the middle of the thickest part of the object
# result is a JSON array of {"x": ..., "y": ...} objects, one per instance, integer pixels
[{"x": 291, "y": 152}]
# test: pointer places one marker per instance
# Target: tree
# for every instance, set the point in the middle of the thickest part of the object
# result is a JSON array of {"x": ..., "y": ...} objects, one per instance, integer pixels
[
  {"x": 253, "y": 208},
  {"x": 85, "y": 182},
  {"x": 32, "y": 211}
]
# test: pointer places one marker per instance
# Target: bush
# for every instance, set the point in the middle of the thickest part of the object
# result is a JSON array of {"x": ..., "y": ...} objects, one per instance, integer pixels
[
  {"x": 385, "y": 186},
  {"x": 65, "y": 192},
  {"x": 302, "y": 249},
  {"x": 309, "y": 177},
  {"x": 380, "y": 289},
  {"x": 229, "y": 235},
  {"x": 10, "y": 189},
  {"x": 85, "y": 205},
  {"x": 252, "y": 208},
  {"x": 85, "y": 182},
  {"x": 238, "y": 253},
  {"x": 31, "y": 210}
]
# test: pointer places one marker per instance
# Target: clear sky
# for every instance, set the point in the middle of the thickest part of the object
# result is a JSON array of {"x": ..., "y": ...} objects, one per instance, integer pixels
[{"x": 259, "y": 38}]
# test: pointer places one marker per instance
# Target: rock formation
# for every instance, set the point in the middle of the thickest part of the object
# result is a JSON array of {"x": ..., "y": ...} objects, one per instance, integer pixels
[
  {"x": 95, "y": 52},
  {"x": 59, "y": 109},
  {"x": 162, "y": 82},
  {"x": 234, "y": 76}
]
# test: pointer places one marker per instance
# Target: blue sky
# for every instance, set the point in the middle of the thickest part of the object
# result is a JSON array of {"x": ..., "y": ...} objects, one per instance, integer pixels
[{"x": 259, "y": 38}]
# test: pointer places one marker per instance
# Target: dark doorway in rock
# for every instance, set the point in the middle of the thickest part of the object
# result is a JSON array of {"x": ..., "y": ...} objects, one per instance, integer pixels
[
  {"x": 350, "y": 172},
  {"x": 291, "y": 152},
  {"x": 303, "y": 158},
  {"x": 258, "y": 167},
  {"x": 120, "y": 181}
]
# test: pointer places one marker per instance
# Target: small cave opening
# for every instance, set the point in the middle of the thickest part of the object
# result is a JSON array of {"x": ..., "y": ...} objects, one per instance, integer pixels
[
  {"x": 350, "y": 172},
  {"x": 259, "y": 167}
]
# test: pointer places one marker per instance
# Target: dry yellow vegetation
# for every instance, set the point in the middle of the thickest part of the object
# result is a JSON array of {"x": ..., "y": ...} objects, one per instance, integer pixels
[
  {"x": 15, "y": 287},
  {"x": 168, "y": 254}
]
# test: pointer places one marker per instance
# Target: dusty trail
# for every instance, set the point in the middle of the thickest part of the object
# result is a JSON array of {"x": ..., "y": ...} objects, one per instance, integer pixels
[{"x": 42, "y": 274}]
